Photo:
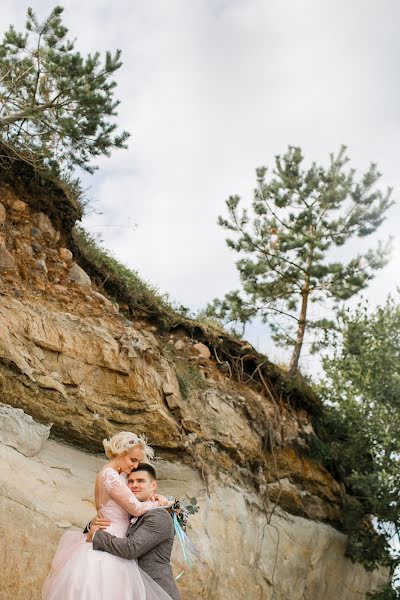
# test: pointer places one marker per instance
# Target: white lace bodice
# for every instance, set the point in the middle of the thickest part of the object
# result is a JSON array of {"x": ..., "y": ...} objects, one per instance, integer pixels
[{"x": 116, "y": 502}]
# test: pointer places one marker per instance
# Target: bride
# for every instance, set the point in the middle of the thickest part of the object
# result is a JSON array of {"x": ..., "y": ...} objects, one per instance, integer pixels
[{"x": 80, "y": 573}]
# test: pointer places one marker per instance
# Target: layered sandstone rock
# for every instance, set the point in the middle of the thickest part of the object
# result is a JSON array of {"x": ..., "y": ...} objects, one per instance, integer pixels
[{"x": 93, "y": 376}]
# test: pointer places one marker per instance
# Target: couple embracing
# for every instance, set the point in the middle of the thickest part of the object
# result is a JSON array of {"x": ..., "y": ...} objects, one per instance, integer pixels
[{"x": 119, "y": 557}]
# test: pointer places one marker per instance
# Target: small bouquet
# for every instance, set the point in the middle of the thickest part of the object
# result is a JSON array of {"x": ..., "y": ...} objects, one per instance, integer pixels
[{"x": 183, "y": 509}]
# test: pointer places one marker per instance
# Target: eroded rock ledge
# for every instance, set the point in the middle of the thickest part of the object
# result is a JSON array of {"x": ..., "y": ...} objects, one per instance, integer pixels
[{"x": 91, "y": 376}]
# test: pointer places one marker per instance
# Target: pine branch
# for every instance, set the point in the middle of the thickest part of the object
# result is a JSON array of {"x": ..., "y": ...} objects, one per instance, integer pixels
[
  {"x": 263, "y": 250},
  {"x": 285, "y": 225}
]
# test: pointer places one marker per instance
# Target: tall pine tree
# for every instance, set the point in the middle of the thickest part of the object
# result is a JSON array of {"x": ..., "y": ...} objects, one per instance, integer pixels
[
  {"x": 286, "y": 247},
  {"x": 56, "y": 106}
]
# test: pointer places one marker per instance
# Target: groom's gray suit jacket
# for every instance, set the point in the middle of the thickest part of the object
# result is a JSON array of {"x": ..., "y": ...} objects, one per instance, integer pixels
[{"x": 149, "y": 540}]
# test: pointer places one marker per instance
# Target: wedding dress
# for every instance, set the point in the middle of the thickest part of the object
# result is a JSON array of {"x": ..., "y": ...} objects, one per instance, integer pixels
[{"x": 80, "y": 573}]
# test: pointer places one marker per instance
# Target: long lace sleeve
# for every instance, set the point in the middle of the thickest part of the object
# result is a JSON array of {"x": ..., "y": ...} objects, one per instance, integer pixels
[{"x": 117, "y": 489}]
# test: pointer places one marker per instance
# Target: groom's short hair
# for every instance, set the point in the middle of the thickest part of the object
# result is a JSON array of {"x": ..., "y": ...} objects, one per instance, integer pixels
[{"x": 146, "y": 467}]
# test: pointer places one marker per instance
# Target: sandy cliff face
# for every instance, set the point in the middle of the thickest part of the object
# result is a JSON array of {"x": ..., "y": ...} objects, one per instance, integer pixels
[
  {"x": 69, "y": 359},
  {"x": 47, "y": 488}
]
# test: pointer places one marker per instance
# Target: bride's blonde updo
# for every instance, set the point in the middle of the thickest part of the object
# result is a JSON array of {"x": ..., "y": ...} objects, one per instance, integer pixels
[{"x": 123, "y": 441}]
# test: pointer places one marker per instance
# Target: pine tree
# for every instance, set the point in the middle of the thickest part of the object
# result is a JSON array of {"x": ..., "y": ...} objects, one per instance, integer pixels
[
  {"x": 56, "y": 106},
  {"x": 287, "y": 245}
]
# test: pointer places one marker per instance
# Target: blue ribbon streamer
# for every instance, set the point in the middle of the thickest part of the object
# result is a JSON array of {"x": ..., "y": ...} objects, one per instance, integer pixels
[
  {"x": 186, "y": 545},
  {"x": 181, "y": 537}
]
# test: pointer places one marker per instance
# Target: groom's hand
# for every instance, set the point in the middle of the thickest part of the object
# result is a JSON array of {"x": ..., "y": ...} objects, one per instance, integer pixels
[
  {"x": 100, "y": 522},
  {"x": 92, "y": 531}
]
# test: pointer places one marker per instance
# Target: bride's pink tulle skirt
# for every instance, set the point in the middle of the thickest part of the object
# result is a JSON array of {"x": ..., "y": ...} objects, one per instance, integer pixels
[{"x": 80, "y": 573}]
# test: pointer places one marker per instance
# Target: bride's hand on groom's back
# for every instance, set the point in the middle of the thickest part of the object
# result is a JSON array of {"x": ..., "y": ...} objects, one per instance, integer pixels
[{"x": 162, "y": 500}]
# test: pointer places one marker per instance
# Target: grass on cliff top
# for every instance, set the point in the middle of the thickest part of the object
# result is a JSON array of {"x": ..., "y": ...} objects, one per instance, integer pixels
[
  {"x": 126, "y": 287},
  {"x": 122, "y": 283}
]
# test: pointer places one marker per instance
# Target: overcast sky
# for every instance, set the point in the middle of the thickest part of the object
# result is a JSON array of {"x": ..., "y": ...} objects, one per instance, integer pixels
[{"x": 211, "y": 90}]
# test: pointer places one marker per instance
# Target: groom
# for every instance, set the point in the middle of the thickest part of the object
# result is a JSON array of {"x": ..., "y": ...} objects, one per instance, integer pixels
[{"x": 149, "y": 538}]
